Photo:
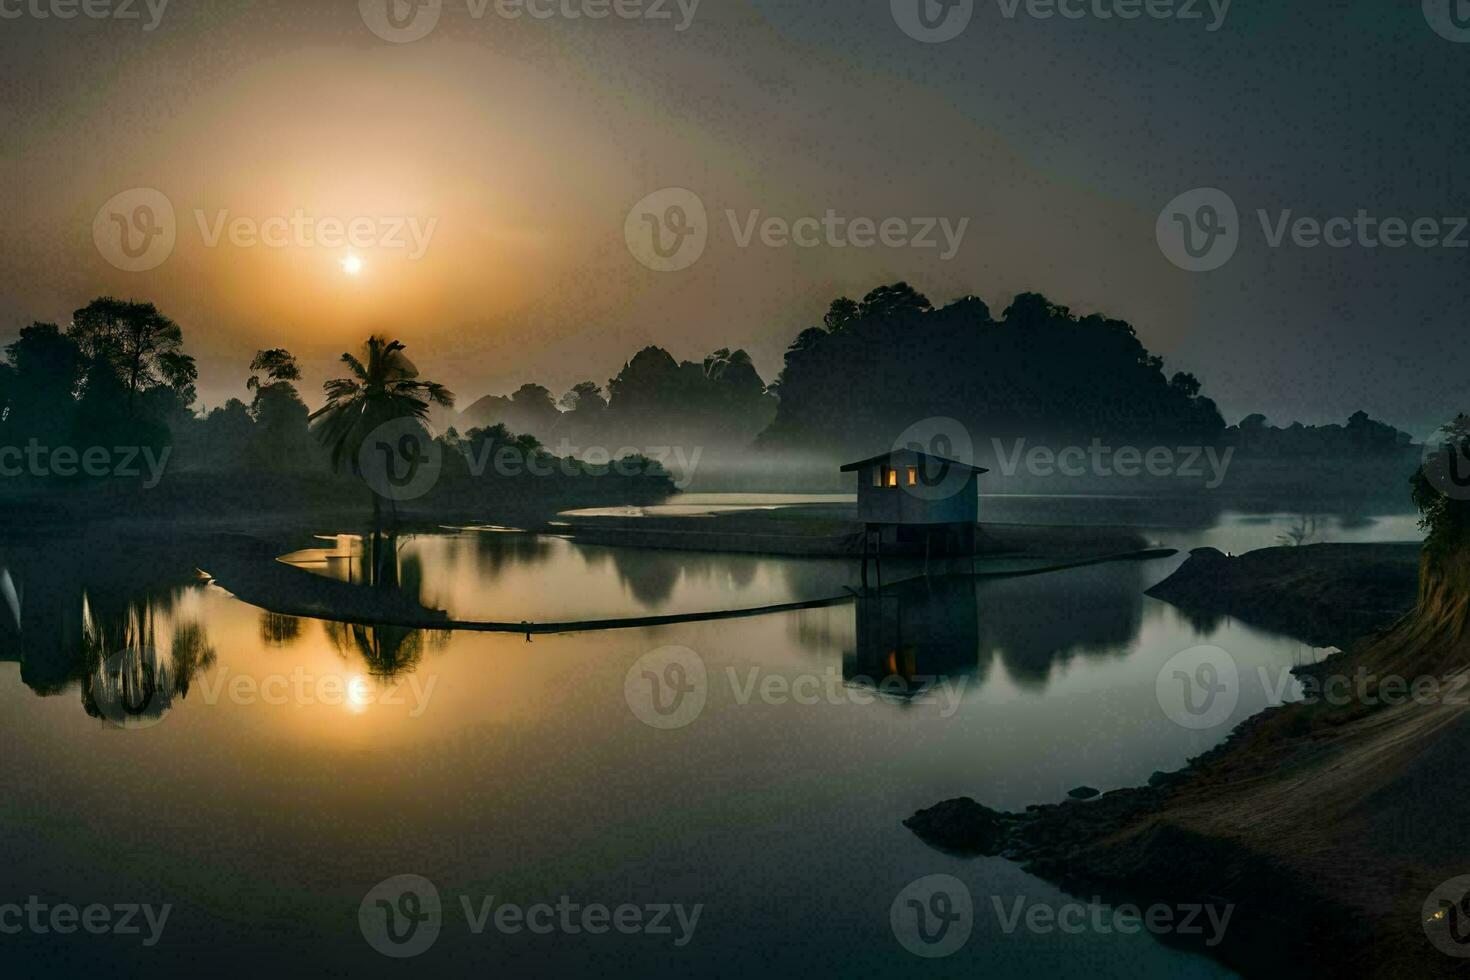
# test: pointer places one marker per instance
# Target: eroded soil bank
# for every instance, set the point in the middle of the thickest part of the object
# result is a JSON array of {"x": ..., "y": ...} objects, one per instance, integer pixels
[{"x": 1326, "y": 823}]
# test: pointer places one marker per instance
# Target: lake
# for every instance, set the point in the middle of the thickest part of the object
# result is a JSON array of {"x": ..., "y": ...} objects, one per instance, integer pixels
[{"x": 272, "y": 772}]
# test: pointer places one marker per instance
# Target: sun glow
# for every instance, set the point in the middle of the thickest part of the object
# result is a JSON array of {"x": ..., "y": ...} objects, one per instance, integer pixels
[
  {"x": 352, "y": 265},
  {"x": 359, "y": 694}
]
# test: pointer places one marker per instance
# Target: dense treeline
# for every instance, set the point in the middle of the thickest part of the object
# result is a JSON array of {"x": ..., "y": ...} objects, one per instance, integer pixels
[
  {"x": 1361, "y": 436},
  {"x": 874, "y": 367},
  {"x": 118, "y": 375},
  {"x": 653, "y": 401},
  {"x": 112, "y": 396}
]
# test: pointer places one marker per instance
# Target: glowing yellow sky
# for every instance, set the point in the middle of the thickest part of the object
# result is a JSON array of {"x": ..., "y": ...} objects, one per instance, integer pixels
[{"x": 525, "y": 145}]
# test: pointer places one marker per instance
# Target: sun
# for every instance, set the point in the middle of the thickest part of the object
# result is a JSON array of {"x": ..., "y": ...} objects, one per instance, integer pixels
[{"x": 352, "y": 265}]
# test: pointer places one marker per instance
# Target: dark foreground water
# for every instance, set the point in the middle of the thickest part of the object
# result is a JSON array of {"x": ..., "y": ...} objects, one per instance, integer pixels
[{"x": 713, "y": 798}]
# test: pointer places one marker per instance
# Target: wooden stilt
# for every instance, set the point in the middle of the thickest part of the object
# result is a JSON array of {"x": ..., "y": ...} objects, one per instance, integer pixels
[{"x": 879, "y": 560}]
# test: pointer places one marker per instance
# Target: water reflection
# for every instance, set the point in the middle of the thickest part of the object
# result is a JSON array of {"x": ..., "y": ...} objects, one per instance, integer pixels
[
  {"x": 917, "y": 631},
  {"x": 128, "y": 628},
  {"x": 388, "y": 651},
  {"x": 277, "y": 630},
  {"x": 514, "y": 577},
  {"x": 119, "y": 624},
  {"x": 1032, "y": 626}
]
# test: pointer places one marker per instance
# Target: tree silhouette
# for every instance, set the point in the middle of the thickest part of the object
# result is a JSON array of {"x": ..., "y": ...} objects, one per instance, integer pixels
[
  {"x": 382, "y": 385},
  {"x": 143, "y": 347},
  {"x": 45, "y": 370},
  {"x": 277, "y": 364}
]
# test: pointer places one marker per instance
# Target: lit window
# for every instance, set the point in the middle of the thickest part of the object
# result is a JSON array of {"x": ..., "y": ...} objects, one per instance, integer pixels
[
  {"x": 913, "y": 476},
  {"x": 892, "y": 476}
]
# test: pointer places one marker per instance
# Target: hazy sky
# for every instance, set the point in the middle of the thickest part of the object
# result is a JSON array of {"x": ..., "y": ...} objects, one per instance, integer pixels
[{"x": 517, "y": 147}]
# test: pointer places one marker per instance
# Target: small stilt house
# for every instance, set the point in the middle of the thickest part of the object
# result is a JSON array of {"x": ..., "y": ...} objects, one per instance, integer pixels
[{"x": 918, "y": 503}]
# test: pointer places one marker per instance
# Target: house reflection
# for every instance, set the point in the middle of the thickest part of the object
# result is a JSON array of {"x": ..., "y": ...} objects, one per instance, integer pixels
[{"x": 915, "y": 632}]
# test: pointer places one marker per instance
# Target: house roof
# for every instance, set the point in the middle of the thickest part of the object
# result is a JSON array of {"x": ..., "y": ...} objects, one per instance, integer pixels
[{"x": 907, "y": 454}]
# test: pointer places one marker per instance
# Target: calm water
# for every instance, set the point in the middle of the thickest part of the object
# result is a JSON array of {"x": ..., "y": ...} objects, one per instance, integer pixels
[{"x": 276, "y": 770}]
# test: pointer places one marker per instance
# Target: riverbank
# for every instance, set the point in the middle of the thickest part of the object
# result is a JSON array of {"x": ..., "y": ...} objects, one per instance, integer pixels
[
  {"x": 830, "y": 531},
  {"x": 248, "y": 567},
  {"x": 1327, "y": 823}
]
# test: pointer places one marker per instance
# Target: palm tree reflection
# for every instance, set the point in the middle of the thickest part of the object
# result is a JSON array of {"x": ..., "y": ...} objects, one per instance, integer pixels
[
  {"x": 128, "y": 681},
  {"x": 387, "y": 650}
]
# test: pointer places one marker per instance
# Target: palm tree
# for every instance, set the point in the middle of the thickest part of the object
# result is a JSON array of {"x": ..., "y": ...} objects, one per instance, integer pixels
[{"x": 383, "y": 386}]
